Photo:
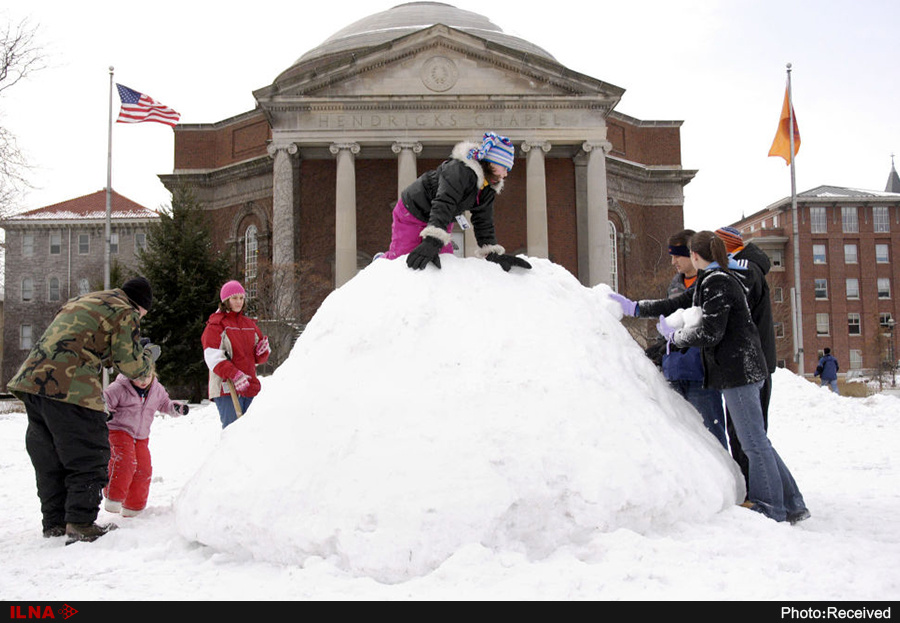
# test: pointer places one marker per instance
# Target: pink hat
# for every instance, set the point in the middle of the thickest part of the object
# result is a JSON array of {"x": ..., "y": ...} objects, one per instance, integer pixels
[{"x": 230, "y": 289}]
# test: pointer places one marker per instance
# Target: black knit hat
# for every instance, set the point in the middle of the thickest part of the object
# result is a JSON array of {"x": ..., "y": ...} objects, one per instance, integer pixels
[{"x": 139, "y": 291}]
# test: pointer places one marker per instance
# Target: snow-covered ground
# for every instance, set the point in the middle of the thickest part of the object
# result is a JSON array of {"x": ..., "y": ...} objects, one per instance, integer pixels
[{"x": 472, "y": 434}]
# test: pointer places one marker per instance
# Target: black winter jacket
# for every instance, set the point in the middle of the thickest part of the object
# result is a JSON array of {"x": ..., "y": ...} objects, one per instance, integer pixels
[
  {"x": 757, "y": 288},
  {"x": 728, "y": 339},
  {"x": 456, "y": 185}
]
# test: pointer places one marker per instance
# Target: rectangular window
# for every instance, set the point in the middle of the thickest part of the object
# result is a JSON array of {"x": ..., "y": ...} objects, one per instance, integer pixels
[
  {"x": 851, "y": 254},
  {"x": 778, "y": 295},
  {"x": 84, "y": 244},
  {"x": 140, "y": 242},
  {"x": 28, "y": 244},
  {"x": 53, "y": 289},
  {"x": 885, "y": 320},
  {"x": 818, "y": 254},
  {"x": 884, "y": 288},
  {"x": 880, "y": 219},
  {"x": 27, "y": 289},
  {"x": 777, "y": 258},
  {"x": 852, "y": 288},
  {"x": 817, "y": 222},
  {"x": 822, "y": 324},
  {"x": 55, "y": 242},
  {"x": 821, "y": 288},
  {"x": 113, "y": 243},
  {"x": 856, "y": 361},
  {"x": 849, "y": 220},
  {"x": 779, "y": 329},
  {"x": 853, "y": 327},
  {"x": 882, "y": 255},
  {"x": 25, "y": 342}
]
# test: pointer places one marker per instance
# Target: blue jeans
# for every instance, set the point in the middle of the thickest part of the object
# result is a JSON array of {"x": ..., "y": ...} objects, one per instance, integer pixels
[
  {"x": 708, "y": 403},
  {"x": 831, "y": 384},
  {"x": 226, "y": 408},
  {"x": 772, "y": 487}
]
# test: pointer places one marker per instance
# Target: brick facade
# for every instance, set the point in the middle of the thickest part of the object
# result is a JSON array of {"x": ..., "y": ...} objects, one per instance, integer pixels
[{"x": 839, "y": 232}]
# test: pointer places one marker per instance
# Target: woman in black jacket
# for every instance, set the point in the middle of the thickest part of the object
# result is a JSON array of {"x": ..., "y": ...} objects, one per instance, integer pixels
[
  {"x": 734, "y": 362},
  {"x": 469, "y": 181}
]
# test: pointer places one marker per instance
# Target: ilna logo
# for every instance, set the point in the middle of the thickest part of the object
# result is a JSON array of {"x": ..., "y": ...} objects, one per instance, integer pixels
[{"x": 40, "y": 612}]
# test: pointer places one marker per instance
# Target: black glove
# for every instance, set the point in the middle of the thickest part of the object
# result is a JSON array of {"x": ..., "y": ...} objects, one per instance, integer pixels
[
  {"x": 427, "y": 251},
  {"x": 182, "y": 408},
  {"x": 507, "y": 261}
]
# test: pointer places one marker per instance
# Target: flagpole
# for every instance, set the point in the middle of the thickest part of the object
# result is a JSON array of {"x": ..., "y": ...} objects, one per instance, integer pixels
[
  {"x": 798, "y": 307},
  {"x": 106, "y": 283}
]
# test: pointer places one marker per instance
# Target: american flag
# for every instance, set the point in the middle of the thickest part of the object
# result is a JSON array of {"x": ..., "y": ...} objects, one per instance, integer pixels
[{"x": 138, "y": 107}]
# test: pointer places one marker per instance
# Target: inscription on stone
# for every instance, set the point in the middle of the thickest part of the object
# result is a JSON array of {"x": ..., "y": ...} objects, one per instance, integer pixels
[{"x": 436, "y": 120}]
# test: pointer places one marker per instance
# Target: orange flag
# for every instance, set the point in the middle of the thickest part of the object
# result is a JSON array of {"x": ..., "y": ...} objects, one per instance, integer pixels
[{"x": 781, "y": 146}]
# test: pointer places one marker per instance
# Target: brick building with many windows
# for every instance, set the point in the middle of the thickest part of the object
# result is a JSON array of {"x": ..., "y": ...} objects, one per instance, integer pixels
[
  {"x": 57, "y": 252},
  {"x": 848, "y": 240}
]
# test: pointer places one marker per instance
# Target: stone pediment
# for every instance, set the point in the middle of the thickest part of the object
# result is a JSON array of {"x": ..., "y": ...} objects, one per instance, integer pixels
[{"x": 437, "y": 62}]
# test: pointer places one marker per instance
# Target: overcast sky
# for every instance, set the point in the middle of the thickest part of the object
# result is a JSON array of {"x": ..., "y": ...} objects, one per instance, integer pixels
[{"x": 718, "y": 66}]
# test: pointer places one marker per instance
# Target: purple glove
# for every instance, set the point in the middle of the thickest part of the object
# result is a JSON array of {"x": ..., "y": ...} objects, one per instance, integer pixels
[
  {"x": 666, "y": 331},
  {"x": 629, "y": 307},
  {"x": 241, "y": 382},
  {"x": 262, "y": 347}
]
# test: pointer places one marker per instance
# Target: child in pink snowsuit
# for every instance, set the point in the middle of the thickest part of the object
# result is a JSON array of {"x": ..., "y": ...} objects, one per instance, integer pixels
[{"x": 132, "y": 405}]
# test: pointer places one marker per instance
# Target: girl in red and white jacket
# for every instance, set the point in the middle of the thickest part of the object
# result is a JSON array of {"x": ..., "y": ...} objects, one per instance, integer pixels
[
  {"x": 132, "y": 405},
  {"x": 233, "y": 346}
]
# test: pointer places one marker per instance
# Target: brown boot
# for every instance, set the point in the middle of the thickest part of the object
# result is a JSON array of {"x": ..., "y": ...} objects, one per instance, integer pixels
[
  {"x": 86, "y": 532},
  {"x": 54, "y": 531}
]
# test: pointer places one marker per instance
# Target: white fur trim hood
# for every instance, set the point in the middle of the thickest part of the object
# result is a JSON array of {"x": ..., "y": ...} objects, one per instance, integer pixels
[{"x": 461, "y": 152}]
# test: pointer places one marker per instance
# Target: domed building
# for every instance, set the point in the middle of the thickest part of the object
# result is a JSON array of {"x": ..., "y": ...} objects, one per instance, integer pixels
[{"x": 301, "y": 188}]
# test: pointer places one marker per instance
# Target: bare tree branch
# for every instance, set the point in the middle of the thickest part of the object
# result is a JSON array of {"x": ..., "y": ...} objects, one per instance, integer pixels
[{"x": 20, "y": 56}]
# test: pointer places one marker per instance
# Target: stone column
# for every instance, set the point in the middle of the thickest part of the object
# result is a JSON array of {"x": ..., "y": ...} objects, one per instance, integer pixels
[
  {"x": 536, "y": 198},
  {"x": 406, "y": 163},
  {"x": 597, "y": 216},
  {"x": 284, "y": 286},
  {"x": 345, "y": 213}
]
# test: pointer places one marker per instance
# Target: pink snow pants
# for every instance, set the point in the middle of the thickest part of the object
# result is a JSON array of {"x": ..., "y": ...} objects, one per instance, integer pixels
[{"x": 405, "y": 230}]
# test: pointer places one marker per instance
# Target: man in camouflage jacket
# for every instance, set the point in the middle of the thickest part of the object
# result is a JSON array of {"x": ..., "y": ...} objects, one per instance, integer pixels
[{"x": 61, "y": 386}]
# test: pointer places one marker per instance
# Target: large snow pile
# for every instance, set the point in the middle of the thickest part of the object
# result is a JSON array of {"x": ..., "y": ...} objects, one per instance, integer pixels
[{"x": 422, "y": 411}]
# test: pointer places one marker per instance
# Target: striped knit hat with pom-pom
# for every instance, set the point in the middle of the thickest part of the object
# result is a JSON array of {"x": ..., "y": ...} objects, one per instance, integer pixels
[{"x": 731, "y": 237}]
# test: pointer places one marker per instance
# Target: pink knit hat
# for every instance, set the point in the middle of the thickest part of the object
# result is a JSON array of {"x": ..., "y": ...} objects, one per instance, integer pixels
[{"x": 230, "y": 289}]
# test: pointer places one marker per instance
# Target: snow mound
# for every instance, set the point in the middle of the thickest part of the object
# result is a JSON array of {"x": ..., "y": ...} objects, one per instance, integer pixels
[{"x": 425, "y": 411}]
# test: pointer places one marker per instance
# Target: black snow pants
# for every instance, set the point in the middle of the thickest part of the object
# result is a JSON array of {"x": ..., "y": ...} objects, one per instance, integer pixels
[{"x": 69, "y": 449}]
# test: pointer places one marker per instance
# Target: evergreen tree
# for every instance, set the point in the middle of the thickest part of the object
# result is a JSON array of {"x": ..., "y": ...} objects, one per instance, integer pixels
[{"x": 186, "y": 275}]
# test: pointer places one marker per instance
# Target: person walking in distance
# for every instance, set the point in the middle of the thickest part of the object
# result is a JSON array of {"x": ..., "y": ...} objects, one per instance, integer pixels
[{"x": 827, "y": 371}]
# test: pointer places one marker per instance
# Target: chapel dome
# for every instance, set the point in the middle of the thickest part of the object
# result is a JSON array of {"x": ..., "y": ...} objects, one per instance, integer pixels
[{"x": 408, "y": 18}]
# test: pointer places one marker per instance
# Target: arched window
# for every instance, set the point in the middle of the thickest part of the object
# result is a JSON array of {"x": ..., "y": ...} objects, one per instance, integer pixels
[
  {"x": 251, "y": 253},
  {"x": 613, "y": 263}
]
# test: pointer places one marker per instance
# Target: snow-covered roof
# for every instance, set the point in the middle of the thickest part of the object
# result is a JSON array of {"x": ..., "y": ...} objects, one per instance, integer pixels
[
  {"x": 842, "y": 192},
  {"x": 86, "y": 208}
]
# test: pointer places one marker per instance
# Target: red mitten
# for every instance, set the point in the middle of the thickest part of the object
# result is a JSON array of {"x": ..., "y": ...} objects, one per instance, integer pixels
[
  {"x": 262, "y": 347},
  {"x": 241, "y": 382}
]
